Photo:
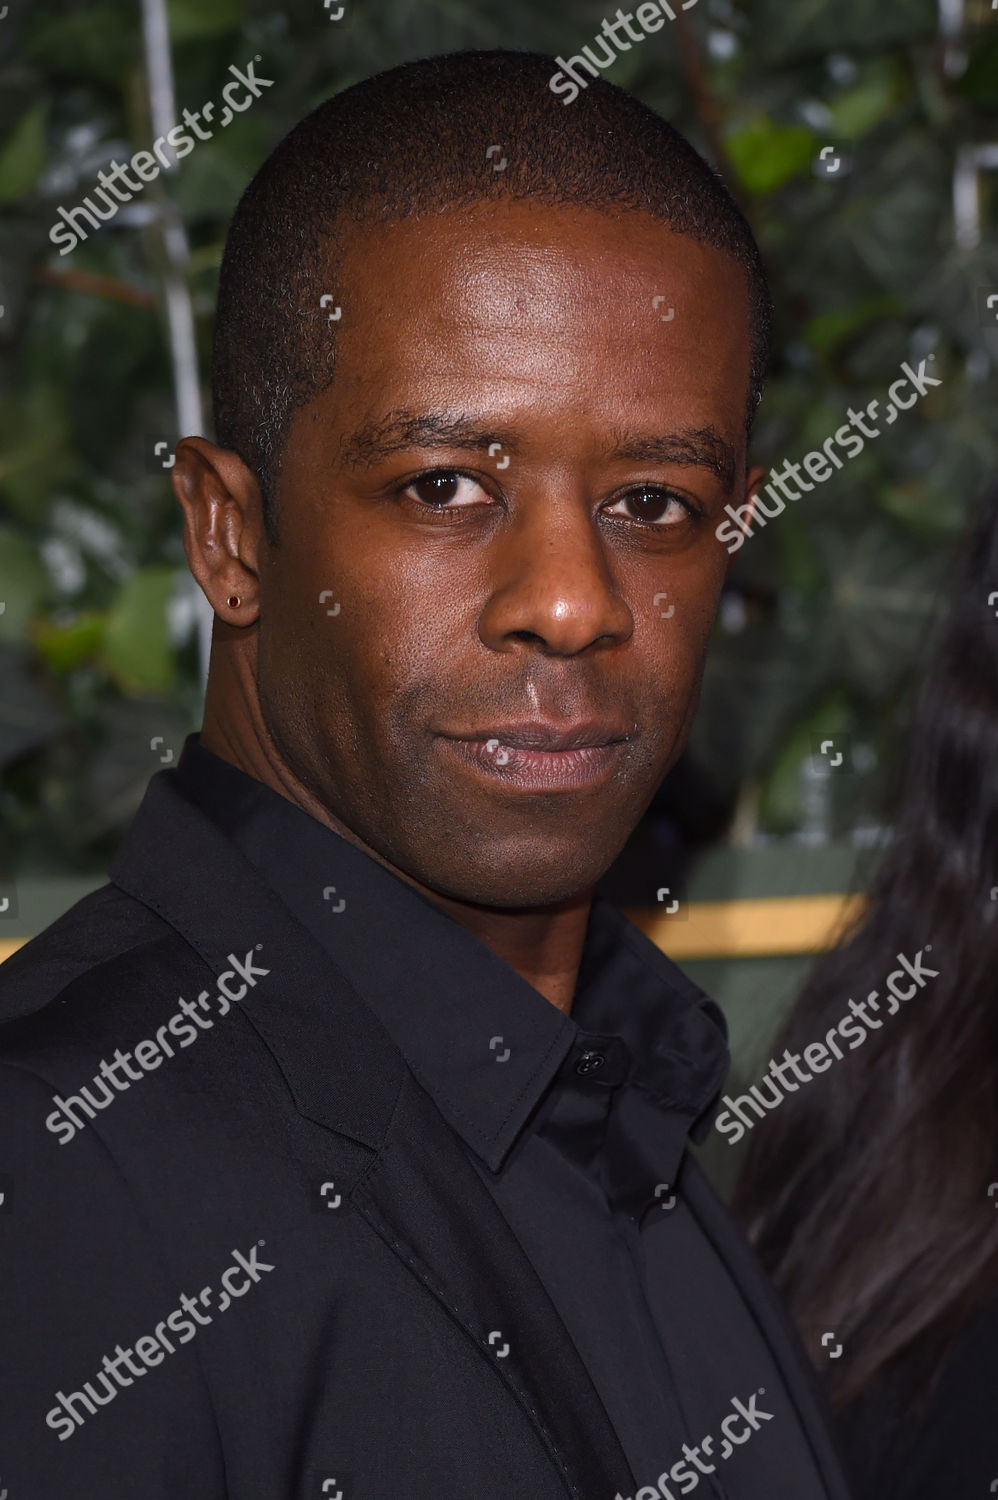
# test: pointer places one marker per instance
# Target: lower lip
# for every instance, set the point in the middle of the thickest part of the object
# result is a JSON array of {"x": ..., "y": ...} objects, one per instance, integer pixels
[{"x": 542, "y": 770}]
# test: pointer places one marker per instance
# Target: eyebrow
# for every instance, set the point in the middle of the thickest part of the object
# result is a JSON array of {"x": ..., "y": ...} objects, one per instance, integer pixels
[
  {"x": 401, "y": 430},
  {"x": 702, "y": 446}
]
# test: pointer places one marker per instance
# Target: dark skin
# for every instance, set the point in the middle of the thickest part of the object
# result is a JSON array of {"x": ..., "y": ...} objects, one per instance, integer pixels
[{"x": 527, "y": 592}]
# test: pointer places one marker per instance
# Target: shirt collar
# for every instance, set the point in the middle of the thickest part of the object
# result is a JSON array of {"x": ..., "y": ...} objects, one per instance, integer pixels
[{"x": 483, "y": 1042}]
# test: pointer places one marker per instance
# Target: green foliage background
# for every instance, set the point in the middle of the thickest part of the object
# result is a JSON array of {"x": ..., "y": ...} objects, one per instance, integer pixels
[{"x": 98, "y": 655}]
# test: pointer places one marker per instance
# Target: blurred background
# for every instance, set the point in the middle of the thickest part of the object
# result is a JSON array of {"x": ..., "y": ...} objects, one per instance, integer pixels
[{"x": 880, "y": 249}]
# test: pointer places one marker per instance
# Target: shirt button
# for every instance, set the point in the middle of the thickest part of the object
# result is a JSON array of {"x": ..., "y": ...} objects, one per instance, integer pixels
[{"x": 589, "y": 1062}]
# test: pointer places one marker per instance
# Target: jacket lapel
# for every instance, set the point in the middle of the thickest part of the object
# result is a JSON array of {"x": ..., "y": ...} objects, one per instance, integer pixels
[
  {"x": 799, "y": 1379},
  {"x": 430, "y": 1206},
  {"x": 411, "y": 1181}
]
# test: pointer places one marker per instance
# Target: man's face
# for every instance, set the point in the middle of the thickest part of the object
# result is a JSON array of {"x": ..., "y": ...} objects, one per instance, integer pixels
[{"x": 510, "y": 492}]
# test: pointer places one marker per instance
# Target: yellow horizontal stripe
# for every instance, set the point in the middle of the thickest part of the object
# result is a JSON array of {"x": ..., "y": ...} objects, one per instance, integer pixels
[{"x": 755, "y": 927}]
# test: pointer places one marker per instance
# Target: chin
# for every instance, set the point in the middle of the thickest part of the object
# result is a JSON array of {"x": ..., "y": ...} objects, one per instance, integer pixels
[{"x": 520, "y": 886}]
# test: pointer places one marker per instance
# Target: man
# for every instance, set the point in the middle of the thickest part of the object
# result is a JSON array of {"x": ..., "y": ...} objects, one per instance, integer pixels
[{"x": 346, "y": 1081}]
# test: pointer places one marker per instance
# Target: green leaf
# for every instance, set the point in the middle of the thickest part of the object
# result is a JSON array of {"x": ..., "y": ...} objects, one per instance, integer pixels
[
  {"x": 828, "y": 330},
  {"x": 766, "y": 155},
  {"x": 136, "y": 648},
  {"x": 63, "y": 648},
  {"x": 192, "y": 18},
  {"x": 22, "y": 156},
  {"x": 34, "y": 454},
  {"x": 857, "y": 110},
  {"x": 99, "y": 42}
]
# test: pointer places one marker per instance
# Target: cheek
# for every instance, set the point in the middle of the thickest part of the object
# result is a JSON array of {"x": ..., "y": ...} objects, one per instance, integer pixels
[
  {"x": 417, "y": 620},
  {"x": 679, "y": 609},
  {"x": 305, "y": 640}
]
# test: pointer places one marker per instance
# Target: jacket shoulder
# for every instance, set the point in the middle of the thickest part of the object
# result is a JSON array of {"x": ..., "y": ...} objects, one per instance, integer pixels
[{"x": 105, "y": 926}]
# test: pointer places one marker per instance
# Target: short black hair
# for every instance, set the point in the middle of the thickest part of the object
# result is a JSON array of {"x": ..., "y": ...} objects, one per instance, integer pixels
[{"x": 415, "y": 139}]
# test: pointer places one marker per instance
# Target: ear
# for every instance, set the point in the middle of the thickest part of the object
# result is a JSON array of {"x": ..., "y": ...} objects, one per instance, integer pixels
[
  {"x": 223, "y": 526},
  {"x": 753, "y": 479}
]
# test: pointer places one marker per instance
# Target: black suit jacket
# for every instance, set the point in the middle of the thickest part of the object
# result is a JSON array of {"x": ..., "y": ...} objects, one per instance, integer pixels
[{"x": 389, "y": 1338}]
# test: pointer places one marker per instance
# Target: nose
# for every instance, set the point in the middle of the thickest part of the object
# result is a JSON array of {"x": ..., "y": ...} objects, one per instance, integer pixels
[{"x": 551, "y": 580}]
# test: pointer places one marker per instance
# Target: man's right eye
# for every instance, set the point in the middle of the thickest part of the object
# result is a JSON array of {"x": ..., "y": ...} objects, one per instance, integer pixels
[{"x": 445, "y": 489}]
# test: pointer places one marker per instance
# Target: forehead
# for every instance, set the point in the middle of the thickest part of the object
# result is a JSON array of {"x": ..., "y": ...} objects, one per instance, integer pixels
[{"x": 514, "y": 301}]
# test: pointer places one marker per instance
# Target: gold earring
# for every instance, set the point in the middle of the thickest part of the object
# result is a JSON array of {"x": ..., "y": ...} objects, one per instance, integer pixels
[{"x": 234, "y": 601}]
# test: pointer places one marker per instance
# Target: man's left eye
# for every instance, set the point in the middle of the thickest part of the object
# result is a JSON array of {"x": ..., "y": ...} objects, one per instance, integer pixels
[{"x": 655, "y": 505}]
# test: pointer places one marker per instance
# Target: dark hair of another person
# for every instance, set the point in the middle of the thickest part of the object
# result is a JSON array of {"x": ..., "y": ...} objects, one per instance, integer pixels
[
  {"x": 866, "y": 1193},
  {"x": 415, "y": 141}
]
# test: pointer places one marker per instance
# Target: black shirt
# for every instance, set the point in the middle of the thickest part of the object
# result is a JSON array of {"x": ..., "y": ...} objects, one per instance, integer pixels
[{"x": 577, "y": 1125}]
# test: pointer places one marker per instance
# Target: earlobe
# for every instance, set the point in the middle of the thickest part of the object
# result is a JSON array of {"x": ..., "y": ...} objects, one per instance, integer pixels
[{"x": 221, "y": 501}]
